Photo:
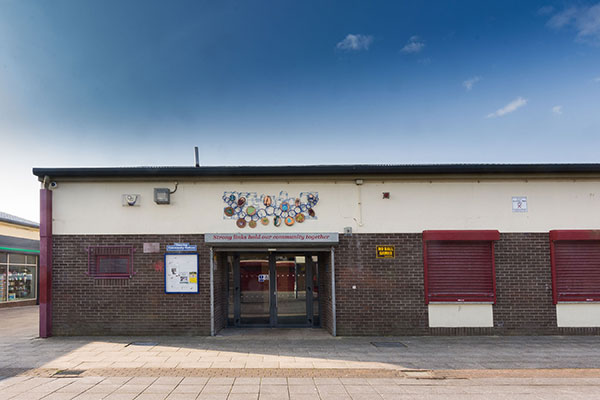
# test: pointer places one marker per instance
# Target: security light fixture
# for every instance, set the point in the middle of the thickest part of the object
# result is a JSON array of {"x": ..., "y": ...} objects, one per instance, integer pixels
[{"x": 162, "y": 195}]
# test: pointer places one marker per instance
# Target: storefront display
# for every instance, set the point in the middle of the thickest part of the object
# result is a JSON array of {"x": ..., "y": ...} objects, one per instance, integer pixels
[
  {"x": 2, "y": 285},
  {"x": 21, "y": 283},
  {"x": 18, "y": 277}
]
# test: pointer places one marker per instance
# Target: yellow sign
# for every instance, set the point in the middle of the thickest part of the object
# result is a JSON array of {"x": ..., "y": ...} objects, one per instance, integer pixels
[{"x": 386, "y": 252}]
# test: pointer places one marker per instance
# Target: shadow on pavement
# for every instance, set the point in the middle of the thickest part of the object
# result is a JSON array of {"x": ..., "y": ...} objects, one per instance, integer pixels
[{"x": 282, "y": 349}]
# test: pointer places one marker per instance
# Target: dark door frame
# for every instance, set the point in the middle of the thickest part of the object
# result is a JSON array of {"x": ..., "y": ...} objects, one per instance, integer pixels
[{"x": 273, "y": 322}]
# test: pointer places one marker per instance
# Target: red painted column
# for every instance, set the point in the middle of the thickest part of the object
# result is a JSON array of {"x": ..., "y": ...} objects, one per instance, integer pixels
[{"x": 45, "y": 294}]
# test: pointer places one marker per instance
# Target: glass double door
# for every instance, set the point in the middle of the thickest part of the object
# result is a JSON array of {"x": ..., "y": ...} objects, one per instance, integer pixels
[{"x": 274, "y": 289}]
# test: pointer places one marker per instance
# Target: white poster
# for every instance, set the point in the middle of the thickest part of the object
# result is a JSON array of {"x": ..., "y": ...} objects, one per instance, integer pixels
[
  {"x": 519, "y": 204},
  {"x": 181, "y": 273}
]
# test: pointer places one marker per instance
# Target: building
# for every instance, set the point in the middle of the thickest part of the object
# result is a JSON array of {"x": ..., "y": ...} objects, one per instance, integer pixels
[
  {"x": 354, "y": 249},
  {"x": 19, "y": 251}
]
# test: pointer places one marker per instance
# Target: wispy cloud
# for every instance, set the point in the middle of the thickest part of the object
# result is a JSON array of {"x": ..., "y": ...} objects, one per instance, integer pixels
[
  {"x": 585, "y": 20},
  {"x": 468, "y": 84},
  {"x": 597, "y": 80},
  {"x": 354, "y": 42},
  {"x": 557, "y": 110},
  {"x": 510, "y": 107},
  {"x": 414, "y": 45}
]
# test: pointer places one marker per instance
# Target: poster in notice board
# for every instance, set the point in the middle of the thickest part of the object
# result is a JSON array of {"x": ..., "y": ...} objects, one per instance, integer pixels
[{"x": 181, "y": 273}]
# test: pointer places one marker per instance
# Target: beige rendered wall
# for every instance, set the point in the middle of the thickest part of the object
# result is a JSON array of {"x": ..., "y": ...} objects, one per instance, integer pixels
[
  {"x": 578, "y": 315},
  {"x": 19, "y": 231},
  {"x": 414, "y": 206},
  {"x": 460, "y": 315}
]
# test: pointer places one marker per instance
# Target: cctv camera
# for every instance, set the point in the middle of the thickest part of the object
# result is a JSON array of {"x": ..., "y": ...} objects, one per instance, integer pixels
[
  {"x": 53, "y": 185},
  {"x": 131, "y": 200}
]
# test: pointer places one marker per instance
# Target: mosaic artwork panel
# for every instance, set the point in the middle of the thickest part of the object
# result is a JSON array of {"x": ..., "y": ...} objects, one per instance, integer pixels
[{"x": 250, "y": 208}]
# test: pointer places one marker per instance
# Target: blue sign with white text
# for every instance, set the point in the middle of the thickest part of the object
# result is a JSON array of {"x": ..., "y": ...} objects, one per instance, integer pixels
[{"x": 181, "y": 247}]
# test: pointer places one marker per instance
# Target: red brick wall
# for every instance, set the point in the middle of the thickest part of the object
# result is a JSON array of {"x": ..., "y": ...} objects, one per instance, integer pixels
[
  {"x": 388, "y": 299},
  {"x": 82, "y": 307},
  {"x": 524, "y": 284},
  {"x": 221, "y": 292},
  {"x": 325, "y": 292}
]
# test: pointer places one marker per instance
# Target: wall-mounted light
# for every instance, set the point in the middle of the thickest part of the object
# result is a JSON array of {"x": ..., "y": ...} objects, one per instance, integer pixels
[
  {"x": 162, "y": 195},
  {"x": 386, "y": 195}
]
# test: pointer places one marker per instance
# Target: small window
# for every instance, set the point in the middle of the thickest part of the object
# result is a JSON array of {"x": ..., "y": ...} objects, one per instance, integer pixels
[
  {"x": 459, "y": 266},
  {"x": 575, "y": 259},
  {"x": 17, "y": 258},
  {"x": 110, "y": 261}
]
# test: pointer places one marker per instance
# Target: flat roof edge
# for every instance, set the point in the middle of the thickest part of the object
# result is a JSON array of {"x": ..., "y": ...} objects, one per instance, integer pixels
[
  {"x": 315, "y": 170},
  {"x": 20, "y": 223}
]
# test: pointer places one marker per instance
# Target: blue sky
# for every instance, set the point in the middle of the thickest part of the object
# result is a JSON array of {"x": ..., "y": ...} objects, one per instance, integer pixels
[{"x": 109, "y": 83}]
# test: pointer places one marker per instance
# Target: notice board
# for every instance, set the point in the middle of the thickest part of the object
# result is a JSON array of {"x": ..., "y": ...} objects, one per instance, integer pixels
[{"x": 181, "y": 273}]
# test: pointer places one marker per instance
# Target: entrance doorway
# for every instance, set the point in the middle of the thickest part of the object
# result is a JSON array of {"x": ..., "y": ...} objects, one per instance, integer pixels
[{"x": 272, "y": 289}]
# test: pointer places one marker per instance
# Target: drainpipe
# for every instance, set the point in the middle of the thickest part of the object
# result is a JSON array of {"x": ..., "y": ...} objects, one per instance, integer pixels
[
  {"x": 45, "y": 295},
  {"x": 334, "y": 322},
  {"x": 212, "y": 293},
  {"x": 359, "y": 183}
]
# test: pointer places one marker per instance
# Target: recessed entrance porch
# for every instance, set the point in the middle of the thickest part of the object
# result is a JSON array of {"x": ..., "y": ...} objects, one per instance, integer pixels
[{"x": 274, "y": 289}]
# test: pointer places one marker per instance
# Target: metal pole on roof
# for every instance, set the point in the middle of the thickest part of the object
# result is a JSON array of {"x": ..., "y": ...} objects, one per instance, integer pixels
[{"x": 197, "y": 157}]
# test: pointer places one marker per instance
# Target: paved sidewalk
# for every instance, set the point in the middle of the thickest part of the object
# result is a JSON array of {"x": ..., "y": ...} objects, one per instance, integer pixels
[
  {"x": 179, "y": 388},
  {"x": 291, "y": 364},
  {"x": 287, "y": 349},
  {"x": 272, "y": 352}
]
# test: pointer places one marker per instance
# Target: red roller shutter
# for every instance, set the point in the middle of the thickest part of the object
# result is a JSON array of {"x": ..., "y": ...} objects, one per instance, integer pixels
[
  {"x": 459, "y": 266},
  {"x": 575, "y": 265}
]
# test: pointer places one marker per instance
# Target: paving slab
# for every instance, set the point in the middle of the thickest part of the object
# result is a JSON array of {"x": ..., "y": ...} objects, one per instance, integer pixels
[{"x": 296, "y": 364}]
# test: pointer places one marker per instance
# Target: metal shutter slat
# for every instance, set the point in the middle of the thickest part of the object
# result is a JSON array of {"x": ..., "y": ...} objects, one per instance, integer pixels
[
  {"x": 460, "y": 270},
  {"x": 577, "y": 269}
]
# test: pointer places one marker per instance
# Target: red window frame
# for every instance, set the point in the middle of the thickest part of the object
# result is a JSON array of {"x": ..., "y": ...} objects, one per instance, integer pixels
[
  {"x": 97, "y": 253},
  {"x": 453, "y": 236},
  {"x": 570, "y": 235}
]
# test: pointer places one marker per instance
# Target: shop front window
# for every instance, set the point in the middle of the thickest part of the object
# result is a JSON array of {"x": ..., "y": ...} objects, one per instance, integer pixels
[
  {"x": 3, "y": 268},
  {"x": 18, "y": 277},
  {"x": 21, "y": 283}
]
